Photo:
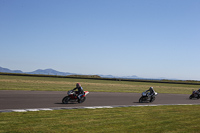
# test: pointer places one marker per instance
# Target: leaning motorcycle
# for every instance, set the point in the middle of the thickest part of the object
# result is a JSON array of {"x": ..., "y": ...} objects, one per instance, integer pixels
[
  {"x": 194, "y": 94},
  {"x": 72, "y": 96},
  {"x": 147, "y": 98}
]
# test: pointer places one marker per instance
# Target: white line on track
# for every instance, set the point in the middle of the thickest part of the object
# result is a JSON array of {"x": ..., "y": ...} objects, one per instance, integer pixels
[
  {"x": 94, "y": 107},
  {"x": 32, "y": 110},
  {"x": 46, "y": 109},
  {"x": 19, "y": 110}
]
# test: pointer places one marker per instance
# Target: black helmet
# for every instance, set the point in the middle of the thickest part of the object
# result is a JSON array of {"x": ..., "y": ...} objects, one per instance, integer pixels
[{"x": 78, "y": 85}]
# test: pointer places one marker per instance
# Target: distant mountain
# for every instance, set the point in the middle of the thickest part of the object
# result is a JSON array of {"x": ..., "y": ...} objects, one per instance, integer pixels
[
  {"x": 6, "y": 70},
  {"x": 107, "y": 76},
  {"x": 39, "y": 71},
  {"x": 50, "y": 72},
  {"x": 131, "y": 77},
  {"x": 124, "y": 77},
  {"x": 54, "y": 72}
]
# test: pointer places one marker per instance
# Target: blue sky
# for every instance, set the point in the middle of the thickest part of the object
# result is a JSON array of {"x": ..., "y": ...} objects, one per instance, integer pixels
[{"x": 146, "y": 38}]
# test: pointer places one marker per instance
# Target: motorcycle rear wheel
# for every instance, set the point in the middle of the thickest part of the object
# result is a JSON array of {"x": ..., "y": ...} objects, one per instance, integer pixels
[
  {"x": 65, "y": 100},
  {"x": 152, "y": 99}
]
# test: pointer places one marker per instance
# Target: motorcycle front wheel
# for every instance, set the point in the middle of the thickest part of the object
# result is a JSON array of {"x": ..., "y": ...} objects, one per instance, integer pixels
[
  {"x": 65, "y": 100},
  {"x": 140, "y": 100}
]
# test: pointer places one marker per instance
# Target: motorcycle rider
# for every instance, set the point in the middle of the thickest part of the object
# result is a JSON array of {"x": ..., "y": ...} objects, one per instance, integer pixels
[
  {"x": 80, "y": 90},
  {"x": 198, "y": 92},
  {"x": 151, "y": 91}
]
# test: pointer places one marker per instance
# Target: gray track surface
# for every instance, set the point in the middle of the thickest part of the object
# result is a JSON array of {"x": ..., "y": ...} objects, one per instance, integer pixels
[{"x": 53, "y": 99}]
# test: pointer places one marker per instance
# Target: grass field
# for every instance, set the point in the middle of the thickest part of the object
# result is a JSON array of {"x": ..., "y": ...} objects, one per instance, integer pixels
[
  {"x": 64, "y": 84},
  {"x": 160, "y": 119},
  {"x": 163, "y": 119}
]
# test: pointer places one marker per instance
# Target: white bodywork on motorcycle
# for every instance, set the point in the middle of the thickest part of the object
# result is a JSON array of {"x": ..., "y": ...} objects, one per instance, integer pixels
[{"x": 86, "y": 92}]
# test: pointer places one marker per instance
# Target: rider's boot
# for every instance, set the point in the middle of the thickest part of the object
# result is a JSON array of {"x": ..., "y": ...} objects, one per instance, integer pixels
[{"x": 78, "y": 97}]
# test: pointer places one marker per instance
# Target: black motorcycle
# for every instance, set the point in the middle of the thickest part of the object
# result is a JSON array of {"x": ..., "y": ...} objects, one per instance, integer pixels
[
  {"x": 147, "y": 98},
  {"x": 194, "y": 94}
]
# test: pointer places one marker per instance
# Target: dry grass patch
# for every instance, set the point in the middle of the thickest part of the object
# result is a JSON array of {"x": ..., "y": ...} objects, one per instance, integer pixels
[{"x": 64, "y": 84}]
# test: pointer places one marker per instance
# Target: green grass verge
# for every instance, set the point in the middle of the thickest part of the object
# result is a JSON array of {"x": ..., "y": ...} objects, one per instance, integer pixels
[
  {"x": 8, "y": 82},
  {"x": 129, "y": 119}
]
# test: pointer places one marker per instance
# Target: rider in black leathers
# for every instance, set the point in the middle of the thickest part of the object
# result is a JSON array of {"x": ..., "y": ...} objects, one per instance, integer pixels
[
  {"x": 80, "y": 90},
  {"x": 198, "y": 92},
  {"x": 151, "y": 91}
]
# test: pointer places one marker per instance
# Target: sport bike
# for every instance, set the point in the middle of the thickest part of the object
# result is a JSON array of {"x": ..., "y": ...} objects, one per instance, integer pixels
[
  {"x": 72, "y": 96},
  {"x": 194, "y": 94},
  {"x": 147, "y": 98}
]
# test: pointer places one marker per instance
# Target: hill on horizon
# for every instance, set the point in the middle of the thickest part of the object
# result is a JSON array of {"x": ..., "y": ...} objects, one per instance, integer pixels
[{"x": 50, "y": 71}]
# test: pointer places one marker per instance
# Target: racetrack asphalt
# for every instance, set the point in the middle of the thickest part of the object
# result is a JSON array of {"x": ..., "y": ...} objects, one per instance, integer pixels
[{"x": 53, "y": 99}]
